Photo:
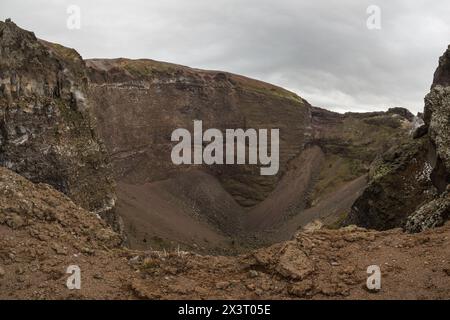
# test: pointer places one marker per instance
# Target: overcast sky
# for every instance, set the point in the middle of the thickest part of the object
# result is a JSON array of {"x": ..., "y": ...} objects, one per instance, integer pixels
[{"x": 321, "y": 50}]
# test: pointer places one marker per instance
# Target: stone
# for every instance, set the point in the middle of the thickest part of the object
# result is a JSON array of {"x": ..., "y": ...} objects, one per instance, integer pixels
[
  {"x": 301, "y": 289},
  {"x": 293, "y": 263},
  {"x": 59, "y": 249},
  {"x": 221, "y": 285},
  {"x": 431, "y": 215},
  {"x": 15, "y": 221},
  {"x": 253, "y": 273}
]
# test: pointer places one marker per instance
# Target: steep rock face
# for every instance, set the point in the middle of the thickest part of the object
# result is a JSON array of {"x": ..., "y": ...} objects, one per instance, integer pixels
[
  {"x": 399, "y": 182},
  {"x": 47, "y": 133},
  {"x": 326, "y": 178},
  {"x": 139, "y": 103},
  {"x": 437, "y": 118},
  {"x": 409, "y": 184},
  {"x": 359, "y": 135},
  {"x": 442, "y": 73}
]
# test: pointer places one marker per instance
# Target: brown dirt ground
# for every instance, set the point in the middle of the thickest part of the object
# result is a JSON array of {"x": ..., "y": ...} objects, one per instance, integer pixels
[{"x": 43, "y": 232}]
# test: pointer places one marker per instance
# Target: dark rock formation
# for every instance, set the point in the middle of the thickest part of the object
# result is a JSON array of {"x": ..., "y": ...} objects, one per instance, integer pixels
[
  {"x": 442, "y": 73},
  {"x": 47, "y": 133},
  {"x": 399, "y": 182},
  {"x": 359, "y": 135},
  {"x": 432, "y": 214},
  {"x": 408, "y": 186}
]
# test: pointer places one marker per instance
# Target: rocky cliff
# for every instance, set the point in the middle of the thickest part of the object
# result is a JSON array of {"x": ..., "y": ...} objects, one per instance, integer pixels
[
  {"x": 139, "y": 103},
  {"x": 47, "y": 131},
  {"x": 409, "y": 184}
]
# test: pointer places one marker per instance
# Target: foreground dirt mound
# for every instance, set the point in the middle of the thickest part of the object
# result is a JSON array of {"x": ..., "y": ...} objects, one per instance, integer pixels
[
  {"x": 43, "y": 232},
  {"x": 314, "y": 265}
]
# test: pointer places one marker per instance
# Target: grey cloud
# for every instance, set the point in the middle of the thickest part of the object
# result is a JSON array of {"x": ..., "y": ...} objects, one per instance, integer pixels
[{"x": 320, "y": 49}]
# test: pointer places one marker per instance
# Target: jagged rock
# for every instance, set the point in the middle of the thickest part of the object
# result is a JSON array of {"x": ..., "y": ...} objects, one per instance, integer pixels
[
  {"x": 399, "y": 182},
  {"x": 294, "y": 263},
  {"x": 403, "y": 112},
  {"x": 442, "y": 73},
  {"x": 77, "y": 222},
  {"x": 437, "y": 117},
  {"x": 431, "y": 215},
  {"x": 407, "y": 184},
  {"x": 47, "y": 131}
]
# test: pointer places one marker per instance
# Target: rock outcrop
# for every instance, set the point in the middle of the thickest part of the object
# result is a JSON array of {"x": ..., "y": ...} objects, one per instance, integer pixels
[
  {"x": 42, "y": 233},
  {"x": 47, "y": 131},
  {"x": 139, "y": 103},
  {"x": 399, "y": 182},
  {"x": 409, "y": 184}
]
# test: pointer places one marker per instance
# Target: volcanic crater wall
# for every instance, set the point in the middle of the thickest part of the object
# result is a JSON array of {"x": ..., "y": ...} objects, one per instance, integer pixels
[{"x": 139, "y": 103}]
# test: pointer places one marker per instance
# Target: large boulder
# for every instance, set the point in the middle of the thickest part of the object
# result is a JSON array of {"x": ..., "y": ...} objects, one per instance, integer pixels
[{"x": 47, "y": 131}]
